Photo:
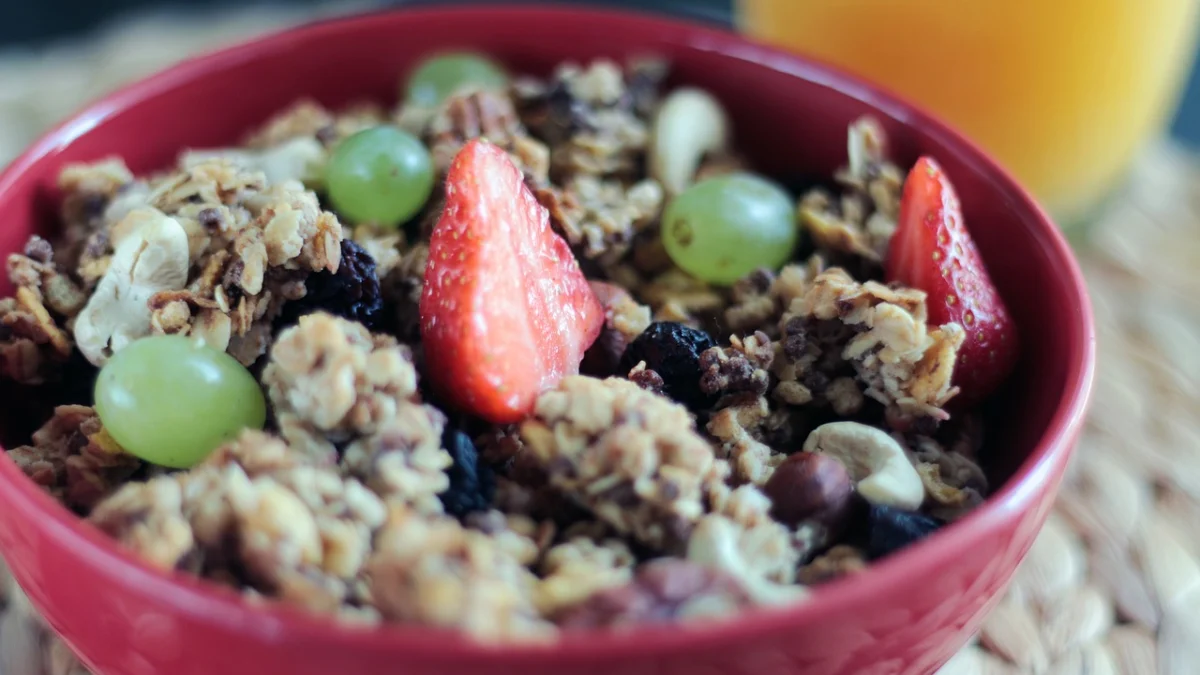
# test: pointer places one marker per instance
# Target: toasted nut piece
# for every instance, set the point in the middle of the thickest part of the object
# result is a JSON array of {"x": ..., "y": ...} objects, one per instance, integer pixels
[
  {"x": 876, "y": 463},
  {"x": 152, "y": 257},
  {"x": 689, "y": 125},
  {"x": 717, "y": 542},
  {"x": 810, "y": 486},
  {"x": 831, "y": 231},
  {"x": 866, "y": 146}
]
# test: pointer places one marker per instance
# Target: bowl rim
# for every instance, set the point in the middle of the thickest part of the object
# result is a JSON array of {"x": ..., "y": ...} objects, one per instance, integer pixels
[{"x": 210, "y": 603}]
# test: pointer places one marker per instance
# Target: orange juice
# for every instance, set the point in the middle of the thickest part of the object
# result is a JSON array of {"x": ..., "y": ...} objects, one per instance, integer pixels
[{"x": 1062, "y": 92}]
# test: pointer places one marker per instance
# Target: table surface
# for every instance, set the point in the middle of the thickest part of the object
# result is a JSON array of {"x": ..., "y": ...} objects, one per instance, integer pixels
[{"x": 1112, "y": 584}]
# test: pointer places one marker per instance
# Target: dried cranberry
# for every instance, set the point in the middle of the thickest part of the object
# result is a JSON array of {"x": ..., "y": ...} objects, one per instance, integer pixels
[
  {"x": 352, "y": 292},
  {"x": 673, "y": 351}
]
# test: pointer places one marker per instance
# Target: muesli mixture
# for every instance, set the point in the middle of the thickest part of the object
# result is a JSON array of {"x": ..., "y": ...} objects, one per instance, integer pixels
[{"x": 521, "y": 356}]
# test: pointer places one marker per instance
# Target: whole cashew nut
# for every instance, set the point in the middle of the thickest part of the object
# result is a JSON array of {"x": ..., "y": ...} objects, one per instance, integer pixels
[
  {"x": 690, "y": 124},
  {"x": 876, "y": 463},
  {"x": 152, "y": 257},
  {"x": 715, "y": 542}
]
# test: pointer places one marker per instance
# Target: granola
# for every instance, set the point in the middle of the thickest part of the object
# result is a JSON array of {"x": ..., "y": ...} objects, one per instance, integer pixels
[
  {"x": 860, "y": 222},
  {"x": 631, "y": 457},
  {"x": 75, "y": 459},
  {"x": 34, "y": 342},
  {"x": 600, "y": 218},
  {"x": 436, "y": 572},
  {"x": 490, "y": 115},
  {"x": 836, "y": 562},
  {"x": 591, "y": 117},
  {"x": 882, "y": 333},
  {"x": 634, "y": 492},
  {"x": 309, "y": 119},
  {"x": 577, "y": 569},
  {"x": 249, "y": 244},
  {"x": 663, "y": 591},
  {"x": 335, "y": 377},
  {"x": 635, "y": 460},
  {"x": 254, "y": 515}
]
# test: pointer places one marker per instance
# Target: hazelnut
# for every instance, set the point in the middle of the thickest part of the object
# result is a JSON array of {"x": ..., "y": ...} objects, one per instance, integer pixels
[
  {"x": 603, "y": 358},
  {"x": 810, "y": 486}
]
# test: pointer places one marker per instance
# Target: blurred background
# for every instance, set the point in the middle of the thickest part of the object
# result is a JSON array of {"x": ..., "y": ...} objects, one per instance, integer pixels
[
  {"x": 1094, "y": 104},
  {"x": 1067, "y": 111}
]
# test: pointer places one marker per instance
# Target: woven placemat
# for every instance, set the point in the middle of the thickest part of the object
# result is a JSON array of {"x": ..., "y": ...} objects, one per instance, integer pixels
[{"x": 1112, "y": 584}]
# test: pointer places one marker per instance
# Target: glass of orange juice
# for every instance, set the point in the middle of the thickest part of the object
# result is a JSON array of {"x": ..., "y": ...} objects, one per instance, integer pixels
[{"x": 1062, "y": 92}]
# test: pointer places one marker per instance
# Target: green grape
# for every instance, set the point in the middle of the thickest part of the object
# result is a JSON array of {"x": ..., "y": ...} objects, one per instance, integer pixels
[
  {"x": 438, "y": 77},
  {"x": 172, "y": 401},
  {"x": 723, "y": 228},
  {"x": 381, "y": 175}
]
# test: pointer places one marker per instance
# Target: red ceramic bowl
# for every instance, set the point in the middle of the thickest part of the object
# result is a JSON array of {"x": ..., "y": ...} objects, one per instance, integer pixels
[{"x": 906, "y": 615}]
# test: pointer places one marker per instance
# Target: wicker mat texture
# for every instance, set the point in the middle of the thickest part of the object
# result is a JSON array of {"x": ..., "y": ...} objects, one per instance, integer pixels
[{"x": 1113, "y": 583}]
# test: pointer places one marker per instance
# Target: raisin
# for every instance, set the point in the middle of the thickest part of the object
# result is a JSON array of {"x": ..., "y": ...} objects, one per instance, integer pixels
[
  {"x": 891, "y": 529},
  {"x": 673, "y": 351},
  {"x": 472, "y": 481},
  {"x": 566, "y": 115},
  {"x": 795, "y": 338},
  {"x": 352, "y": 292}
]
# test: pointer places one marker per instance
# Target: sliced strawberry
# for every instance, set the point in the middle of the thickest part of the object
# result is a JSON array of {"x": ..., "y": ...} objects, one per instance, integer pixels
[
  {"x": 505, "y": 310},
  {"x": 933, "y": 251}
]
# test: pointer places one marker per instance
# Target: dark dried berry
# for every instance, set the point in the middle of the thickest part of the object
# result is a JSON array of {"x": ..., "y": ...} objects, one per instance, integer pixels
[
  {"x": 673, "y": 351},
  {"x": 891, "y": 529},
  {"x": 644, "y": 79},
  {"x": 795, "y": 338},
  {"x": 566, "y": 114},
  {"x": 352, "y": 292},
  {"x": 472, "y": 481}
]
